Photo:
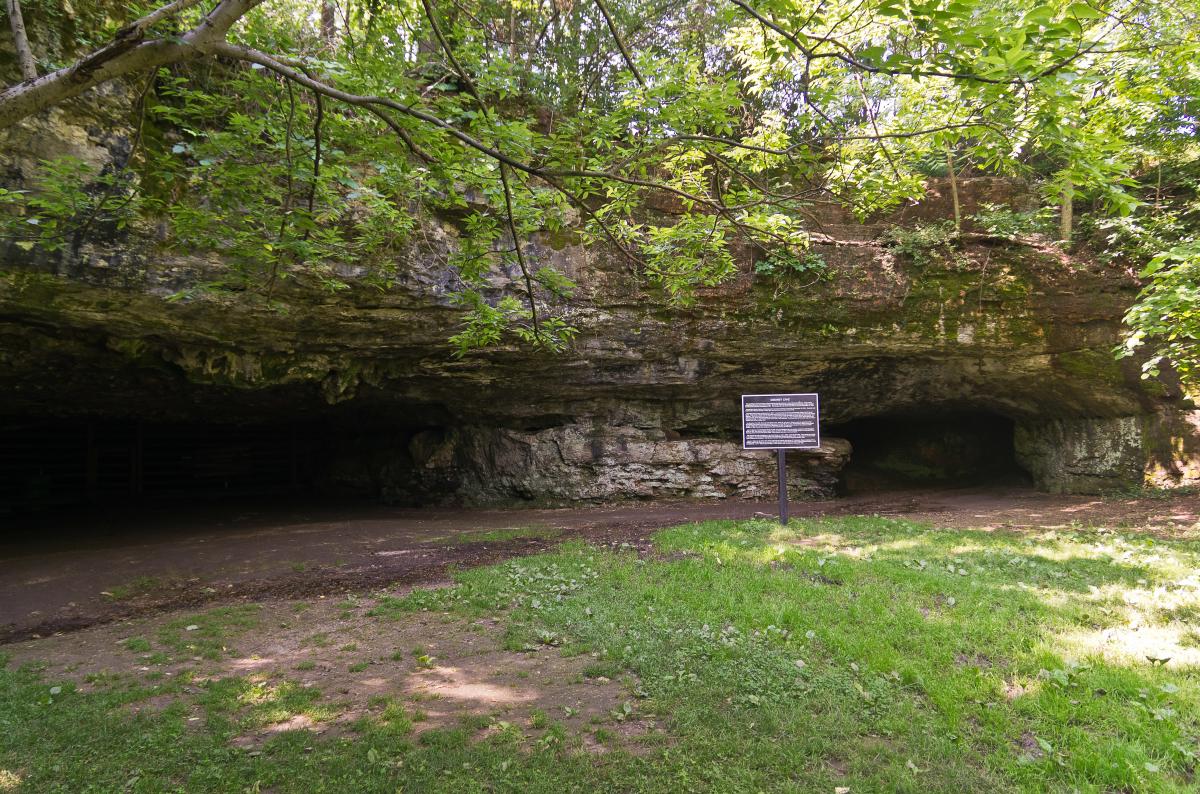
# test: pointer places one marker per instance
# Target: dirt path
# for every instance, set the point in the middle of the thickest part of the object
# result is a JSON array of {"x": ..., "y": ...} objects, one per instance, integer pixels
[{"x": 88, "y": 571}]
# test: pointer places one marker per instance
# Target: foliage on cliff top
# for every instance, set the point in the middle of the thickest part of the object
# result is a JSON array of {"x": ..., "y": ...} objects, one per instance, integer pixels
[{"x": 288, "y": 134}]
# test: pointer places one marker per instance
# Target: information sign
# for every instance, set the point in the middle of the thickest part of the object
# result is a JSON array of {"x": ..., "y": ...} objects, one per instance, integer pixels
[{"x": 780, "y": 421}]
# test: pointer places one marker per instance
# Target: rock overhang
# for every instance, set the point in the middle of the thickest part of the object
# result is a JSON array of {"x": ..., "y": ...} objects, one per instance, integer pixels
[{"x": 119, "y": 329}]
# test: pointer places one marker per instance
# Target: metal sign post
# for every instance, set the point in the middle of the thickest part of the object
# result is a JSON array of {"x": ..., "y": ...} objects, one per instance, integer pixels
[
  {"x": 781, "y": 422},
  {"x": 783, "y": 493}
]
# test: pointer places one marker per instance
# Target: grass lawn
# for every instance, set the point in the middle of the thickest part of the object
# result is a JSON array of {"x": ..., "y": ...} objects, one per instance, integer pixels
[{"x": 848, "y": 654}]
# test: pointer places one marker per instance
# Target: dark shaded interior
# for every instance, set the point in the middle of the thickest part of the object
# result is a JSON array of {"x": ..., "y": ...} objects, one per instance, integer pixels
[
  {"x": 48, "y": 464},
  {"x": 952, "y": 448},
  {"x": 56, "y": 465}
]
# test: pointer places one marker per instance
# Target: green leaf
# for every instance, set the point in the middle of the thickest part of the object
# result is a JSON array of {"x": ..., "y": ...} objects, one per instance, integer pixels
[
  {"x": 1083, "y": 11},
  {"x": 1155, "y": 265},
  {"x": 1040, "y": 15}
]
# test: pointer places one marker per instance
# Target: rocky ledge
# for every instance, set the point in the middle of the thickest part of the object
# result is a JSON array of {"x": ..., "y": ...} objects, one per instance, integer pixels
[{"x": 644, "y": 404}]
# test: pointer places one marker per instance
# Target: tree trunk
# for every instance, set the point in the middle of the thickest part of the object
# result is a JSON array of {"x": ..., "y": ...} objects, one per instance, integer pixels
[
  {"x": 21, "y": 41},
  {"x": 954, "y": 188},
  {"x": 1066, "y": 218},
  {"x": 328, "y": 26}
]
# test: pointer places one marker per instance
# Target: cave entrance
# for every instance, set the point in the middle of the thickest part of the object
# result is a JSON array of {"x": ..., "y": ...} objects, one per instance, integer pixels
[
  {"x": 929, "y": 449},
  {"x": 55, "y": 464},
  {"x": 52, "y": 466}
]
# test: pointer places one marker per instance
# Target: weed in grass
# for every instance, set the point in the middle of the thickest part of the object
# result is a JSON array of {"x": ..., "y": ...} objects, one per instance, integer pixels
[
  {"x": 256, "y": 704},
  {"x": 474, "y": 722},
  {"x": 358, "y": 667},
  {"x": 396, "y": 720},
  {"x": 503, "y": 535},
  {"x": 103, "y": 679},
  {"x": 554, "y": 738},
  {"x": 602, "y": 669},
  {"x": 604, "y": 736},
  {"x": 307, "y": 664},
  {"x": 207, "y": 634},
  {"x": 139, "y": 586},
  {"x": 137, "y": 644}
]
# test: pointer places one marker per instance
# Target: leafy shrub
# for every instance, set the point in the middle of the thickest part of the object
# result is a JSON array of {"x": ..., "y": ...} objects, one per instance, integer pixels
[
  {"x": 1003, "y": 221},
  {"x": 1135, "y": 238},
  {"x": 782, "y": 264},
  {"x": 1165, "y": 320},
  {"x": 68, "y": 199},
  {"x": 923, "y": 243}
]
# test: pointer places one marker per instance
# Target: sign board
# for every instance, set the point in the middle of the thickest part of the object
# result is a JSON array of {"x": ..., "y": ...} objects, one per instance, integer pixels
[{"x": 780, "y": 421}]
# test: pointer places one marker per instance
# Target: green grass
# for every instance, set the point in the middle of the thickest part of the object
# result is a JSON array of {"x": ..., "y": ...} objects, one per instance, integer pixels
[
  {"x": 209, "y": 634},
  {"x": 137, "y": 644},
  {"x": 502, "y": 535},
  {"x": 139, "y": 586},
  {"x": 879, "y": 655}
]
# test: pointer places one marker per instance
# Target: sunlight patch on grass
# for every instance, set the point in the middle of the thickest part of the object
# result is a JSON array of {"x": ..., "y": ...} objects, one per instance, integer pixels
[{"x": 1133, "y": 645}]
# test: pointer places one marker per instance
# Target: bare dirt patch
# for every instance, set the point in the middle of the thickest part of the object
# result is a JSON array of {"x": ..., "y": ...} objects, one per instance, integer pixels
[
  {"x": 439, "y": 671},
  {"x": 977, "y": 660},
  {"x": 1013, "y": 690},
  {"x": 1029, "y": 746}
]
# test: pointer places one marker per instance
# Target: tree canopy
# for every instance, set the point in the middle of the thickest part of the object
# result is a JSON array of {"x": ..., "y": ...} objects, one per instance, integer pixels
[{"x": 289, "y": 134}]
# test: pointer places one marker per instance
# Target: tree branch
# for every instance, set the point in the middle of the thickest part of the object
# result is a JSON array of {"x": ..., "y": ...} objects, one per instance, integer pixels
[
  {"x": 140, "y": 26},
  {"x": 127, "y": 54},
  {"x": 316, "y": 169},
  {"x": 810, "y": 54},
  {"x": 21, "y": 41},
  {"x": 612, "y": 28}
]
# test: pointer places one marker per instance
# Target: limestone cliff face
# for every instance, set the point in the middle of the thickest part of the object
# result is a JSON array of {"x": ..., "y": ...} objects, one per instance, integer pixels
[{"x": 646, "y": 401}]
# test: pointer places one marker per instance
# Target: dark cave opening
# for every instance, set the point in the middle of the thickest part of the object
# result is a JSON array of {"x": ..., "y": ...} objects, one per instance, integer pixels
[
  {"x": 62, "y": 464},
  {"x": 928, "y": 449},
  {"x": 50, "y": 467}
]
